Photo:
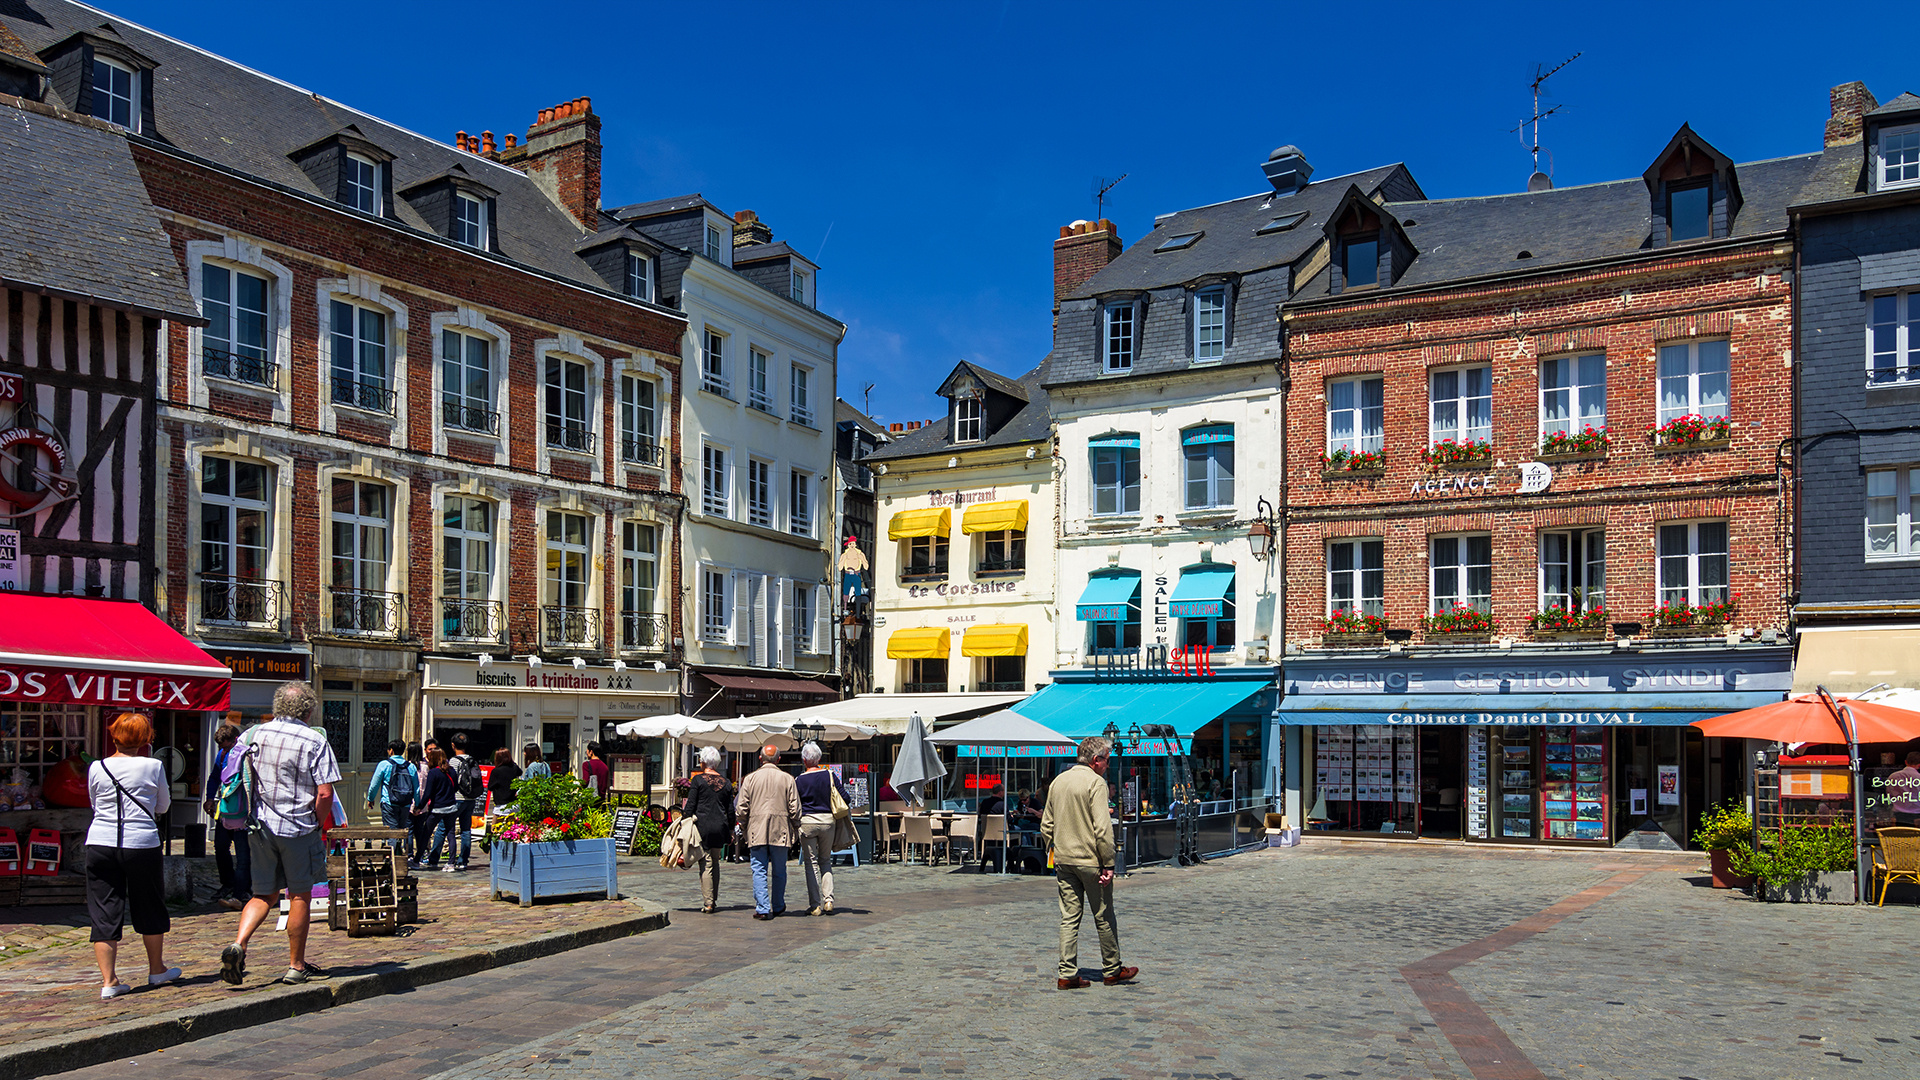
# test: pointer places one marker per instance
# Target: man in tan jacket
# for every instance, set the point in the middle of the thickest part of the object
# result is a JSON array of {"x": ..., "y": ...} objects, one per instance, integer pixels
[
  {"x": 1077, "y": 827},
  {"x": 769, "y": 803}
]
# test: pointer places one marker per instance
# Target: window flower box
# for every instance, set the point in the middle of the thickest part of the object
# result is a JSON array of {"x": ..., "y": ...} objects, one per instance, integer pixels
[
  {"x": 1448, "y": 454},
  {"x": 1591, "y": 442},
  {"x": 1334, "y": 639},
  {"x": 1709, "y": 618},
  {"x": 1346, "y": 464},
  {"x": 558, "y": 868},
  {"x": 1692, "y": 432},
  {"x": 1458, "y": 619},
  {"x": 1465, "y": 637},
  {"x": 1353, "y": 628},
  {"x": 1559, "y": 621}
]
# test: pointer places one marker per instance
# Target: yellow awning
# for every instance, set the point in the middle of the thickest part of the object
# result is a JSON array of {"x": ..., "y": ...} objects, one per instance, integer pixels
[
  {"x": 918, "y": 643},
  {"x": 1849, "y": 660},
  {"x": 910, "y": 523},
  {"x": 995, "y": 517},
  {"x": 997, "y": 639}
]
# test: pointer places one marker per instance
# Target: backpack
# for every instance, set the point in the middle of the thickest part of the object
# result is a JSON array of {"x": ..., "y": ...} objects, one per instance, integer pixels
[
  {"x": 234, "y": 800},
  {"x": 466, "y": 778},
  {"x": 403, "y": 784}
]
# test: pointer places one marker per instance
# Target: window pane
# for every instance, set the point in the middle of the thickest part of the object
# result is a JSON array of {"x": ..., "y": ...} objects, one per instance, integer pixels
[
  {"x": 1363, "y": 262},
  {"x": 1687, "y": 210},
  {"x": 1675, "y": 395},
  {"x": 250, "y": 481}
]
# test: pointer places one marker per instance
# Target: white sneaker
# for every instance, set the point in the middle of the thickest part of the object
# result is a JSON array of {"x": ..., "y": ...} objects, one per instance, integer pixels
[
  {"x": 170, "y": 975},
  {"x": 108, "y": 993}
]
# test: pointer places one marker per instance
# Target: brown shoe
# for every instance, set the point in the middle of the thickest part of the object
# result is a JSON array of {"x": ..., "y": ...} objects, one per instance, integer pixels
[
  {"x": 1074, "y": 983},
  {"x": 1124, "y": 975}
]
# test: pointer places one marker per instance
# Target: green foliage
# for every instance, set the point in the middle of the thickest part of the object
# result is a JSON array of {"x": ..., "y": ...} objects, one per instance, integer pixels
[
  {"x": 1727, "y": 827},
  {"x": 1796, "y": 852},
  {"x": 554, "y": 808},
  {"x": 646, "y": 837}
]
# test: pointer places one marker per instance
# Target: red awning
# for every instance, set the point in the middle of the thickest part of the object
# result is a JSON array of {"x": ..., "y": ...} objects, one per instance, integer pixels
[
  {"x": 79, "y": 651},
  {"x": 768, "y": 683}
]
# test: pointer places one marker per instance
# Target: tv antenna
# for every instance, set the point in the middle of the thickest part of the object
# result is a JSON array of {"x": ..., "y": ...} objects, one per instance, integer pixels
[
  {"x": 1540, "y": 78},
  {"x": 866, "y": 400},
  {"x": 1101, "y": 186}
]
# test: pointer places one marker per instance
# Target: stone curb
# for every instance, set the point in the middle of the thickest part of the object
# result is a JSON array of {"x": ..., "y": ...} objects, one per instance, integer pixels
[{"x": 131, "y": 1038}]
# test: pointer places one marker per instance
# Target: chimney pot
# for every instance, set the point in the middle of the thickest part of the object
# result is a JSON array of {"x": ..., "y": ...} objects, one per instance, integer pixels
[
  {"x": 512, "y": 140},
  {"x": 745, "y": 216},
  {"x": 565, "y": 161},
  {"x": 460, "y": 139},
  {"x": 486, "y": 143},
  {"x": 895, "y": 429},
  {"x": 1287, "y": 170}
]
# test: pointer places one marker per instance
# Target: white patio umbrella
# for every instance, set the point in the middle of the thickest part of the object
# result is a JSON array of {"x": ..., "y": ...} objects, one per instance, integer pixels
[
  {"x": 919, "y": 762},
  {"x": 1004, "y": 729}
]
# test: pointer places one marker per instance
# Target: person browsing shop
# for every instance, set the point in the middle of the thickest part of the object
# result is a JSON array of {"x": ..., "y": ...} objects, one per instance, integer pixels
[{"x": 1903, "y": 791}]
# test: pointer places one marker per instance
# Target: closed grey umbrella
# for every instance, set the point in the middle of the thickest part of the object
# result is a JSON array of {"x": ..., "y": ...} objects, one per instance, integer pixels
[{"x": 918, "y": 763}]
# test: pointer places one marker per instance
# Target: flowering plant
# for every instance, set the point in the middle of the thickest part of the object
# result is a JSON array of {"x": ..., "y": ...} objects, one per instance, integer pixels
[
  {"x": 552, "y": 808},
  {"x": 1345, "y": 460},
  {"x": 1557, "y": 619},
  {"x": 1682, "y": 614},
  {"x": 1458, "y": 619},
  {"x": 1590, "y": 440},
  {"x": 1353, "y": 622},
  {"x": 1691, "y": 430},
  {"x": 1449, "y": 452}
]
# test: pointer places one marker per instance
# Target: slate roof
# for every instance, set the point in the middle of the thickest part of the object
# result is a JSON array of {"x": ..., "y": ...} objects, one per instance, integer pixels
[
  {"x": 1905, "y": 103},
  {"x": 247, "y": 121},
  {"x": 660, "y": 206},
  {"x": 993, "y": 380},
  {"x": 1034, "y": 423},
  {"x": 1841, "y": 172},
  {"x": 76, "y": 219},
  {"x": 758, "y": 252}
]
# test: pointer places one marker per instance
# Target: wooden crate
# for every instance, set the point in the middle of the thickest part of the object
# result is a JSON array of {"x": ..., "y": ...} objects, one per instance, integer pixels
[
  {"x": 50, "y": 889},
  {"x": 9, "y": 890}
]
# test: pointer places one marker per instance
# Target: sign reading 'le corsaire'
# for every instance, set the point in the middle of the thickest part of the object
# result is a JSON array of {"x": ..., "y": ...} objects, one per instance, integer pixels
[{"x": 71, "y": 686}]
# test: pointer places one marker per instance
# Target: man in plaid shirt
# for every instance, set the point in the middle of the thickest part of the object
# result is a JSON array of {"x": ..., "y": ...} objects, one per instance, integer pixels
[{"x": 291, "y": 771}]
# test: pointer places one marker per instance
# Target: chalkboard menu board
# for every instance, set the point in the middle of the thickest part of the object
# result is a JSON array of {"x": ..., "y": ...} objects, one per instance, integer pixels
[{"x": 626, "y": 821}]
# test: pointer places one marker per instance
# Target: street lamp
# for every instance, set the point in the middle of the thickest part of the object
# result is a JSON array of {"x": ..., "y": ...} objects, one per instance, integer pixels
[
  {"x": 1260, "y": 535},
  {"x": 850, "y": 628}
]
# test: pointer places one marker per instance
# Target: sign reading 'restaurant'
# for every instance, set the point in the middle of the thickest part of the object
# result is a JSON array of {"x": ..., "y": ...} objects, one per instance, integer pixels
[{"x": 75, "y": 686}]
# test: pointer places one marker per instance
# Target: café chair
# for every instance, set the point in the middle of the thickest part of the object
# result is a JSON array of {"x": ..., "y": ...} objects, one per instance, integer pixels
[
  {"x": 963, "y": 829},
  {"x": 993, "y": 827},
  {"x": 920, "y": 833},
  {"x": 893, "y": 807},
  {"x": 1897, "y": 858},
  {"x": 895, "y": 835}
]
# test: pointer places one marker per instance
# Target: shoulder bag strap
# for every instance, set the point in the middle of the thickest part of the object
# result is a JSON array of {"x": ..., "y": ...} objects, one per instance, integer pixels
[{"x": 120, "y": 823}]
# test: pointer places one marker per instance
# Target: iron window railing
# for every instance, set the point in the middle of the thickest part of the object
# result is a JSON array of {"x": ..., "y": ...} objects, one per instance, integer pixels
[
  {"x": 364, "y": 395},
  {"x": 1012, "y": 687},
  {"x": 924, "y": 688},
  {"x": 641, "y": 450},
  {"x": 455, "y": 413},
  {"x": 238, "y": 601},
  {"x": 468, "y": 619},
  {"x": 643, "y": 631},
  {"x": 1002, "y": 566},
  {"x": 923, "y": 572},
  {"x": 803, "y": 415},
  {"x": 570, "y": 627},
  {"x": 252, "y": 370},
  {"x": 365, "y": 611},
  {"x": 570, "y": 436}
]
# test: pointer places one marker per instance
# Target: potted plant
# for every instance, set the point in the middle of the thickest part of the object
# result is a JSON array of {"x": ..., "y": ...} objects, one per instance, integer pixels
[
  {"x": 1710, "y": 616},
  {"x": 1691, "y": 431},
  {"x": 1588, "y": 442},
  {"x": 1345, "y": 461},
  {"x": 1459, "y": 620},
  {"x": 1471, "y": 454},
  {"x": 1558, "y": 620},
  {"x": 1352, "y": 626},
  {"x": 556, "y": 839},
  {"x": 1726, "y": 832},
  {"x": 1802, "y": 864}
]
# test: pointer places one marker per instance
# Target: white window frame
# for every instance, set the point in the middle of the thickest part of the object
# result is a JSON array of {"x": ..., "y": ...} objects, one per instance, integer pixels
[
  {"x": 1694, "y": 593},
  {"x": 1461, "y": 570},
  {"x": 365, "y": 572},
  {"x": 1218, "y": 481},
  {"x": 639, "y": 276},
  {"x": 1692, "y": 379},
  {"x": 356, "y": 366},
  {"x": 800, "y": 502},
  {"x": 1896, "y": 338},
  {"x": 799, "y": 628},
  {"x": 637, "y": 598},
  {"x": 105, "y": 109},
  {"x": 1896, "y": 509},
  {"x": 639, "y": 420},
  {"x": 1119, "y": 337},
  {"x": 1119, "y": 487},
  {"x": 713, "y": 363},
  {"x": 456, "y": 377},
  {"x": 1460, "y": 403},
  {"x": 232, "y": 313},
  {"x": 231, "y": 507},
  {"x": 1584, "y": 561},
  {"x": 759, "y": 387},
  {"x": 571, "y": 400},
  {"x": 967, "y": 422},
  {"x": 800, "y": 394},
  {"x": 1358, "y": 578},
  {"x": 1573, "y": 373},
  {"x": 1210, "y": 324},
  {"x": 1361, "y": 441},
  {"x": 557, "y": 586},
  {"x": 716, "y": 605},
  {"x": 363, "y": 192},
  {"x": 716, "y": 480},
  {"x": 799, "y": 287},
  {"x": 715, "y": 243},
  {"x": 1909, "y": 165},
  {"x": 469, "y": 220},
  {"x": 759, "y": 492},
  {"x": 471, "y": 571}
]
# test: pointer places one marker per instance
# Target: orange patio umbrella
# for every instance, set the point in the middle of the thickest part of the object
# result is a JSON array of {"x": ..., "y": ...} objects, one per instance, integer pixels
[{"x": 1810, "y": 719}]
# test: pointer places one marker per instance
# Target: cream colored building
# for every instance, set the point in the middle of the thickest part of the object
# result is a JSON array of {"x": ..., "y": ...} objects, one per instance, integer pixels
[{"x": 964, "y": 597}]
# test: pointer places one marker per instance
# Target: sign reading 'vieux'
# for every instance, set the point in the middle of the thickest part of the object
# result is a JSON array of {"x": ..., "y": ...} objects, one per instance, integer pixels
[{"x": 75, "y": 686}]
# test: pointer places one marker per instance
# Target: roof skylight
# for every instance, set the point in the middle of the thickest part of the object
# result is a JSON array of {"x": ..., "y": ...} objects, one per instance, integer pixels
[
  {"x": 1282, "y": 223},
  {"x": 1175, "y": 243}
]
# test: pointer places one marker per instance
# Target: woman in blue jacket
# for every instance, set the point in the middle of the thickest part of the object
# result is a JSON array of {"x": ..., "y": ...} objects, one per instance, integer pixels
[{"x": 437, "y": 800}]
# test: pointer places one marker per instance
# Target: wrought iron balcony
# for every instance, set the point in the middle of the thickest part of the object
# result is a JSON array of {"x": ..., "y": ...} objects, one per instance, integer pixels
[
  {"x": 643, "y": 631},
  {"x": 569, "y": 436},
  {"x": 252, "y": 370},
  {"x": 1011, "y": 687},
  {"x": 924, "y": 688},
  {"x": 923, "y": 572},
  {"x": 466, "y": 619},
  {"x": 455, "y": 413},
  {"x": 641, "y": 450},
  {"x": 239, "y": 602},
  {"x": 569, "y": 627},
  {"x": 365, "y": 611},
  {"x": 360, "y": 394},
  {"x": 1003, "y": 566}
]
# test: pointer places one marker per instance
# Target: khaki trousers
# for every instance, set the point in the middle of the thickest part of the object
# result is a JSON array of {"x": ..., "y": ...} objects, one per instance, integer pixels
[
  {"x": 709, "y": 863},
  {"x": 1079, "y": 887},
  {"x": 816, "y": 854}
]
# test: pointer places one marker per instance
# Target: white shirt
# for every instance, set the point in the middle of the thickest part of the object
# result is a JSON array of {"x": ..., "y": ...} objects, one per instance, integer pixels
[{"x": 117, "y": 821}]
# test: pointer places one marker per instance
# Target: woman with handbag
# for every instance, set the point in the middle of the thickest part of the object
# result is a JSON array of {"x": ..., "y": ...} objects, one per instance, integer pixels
[
  {"x": 710, "y": 801},
  {"x": 823, "y": 806},
  {"x": 129, "y": 792}
]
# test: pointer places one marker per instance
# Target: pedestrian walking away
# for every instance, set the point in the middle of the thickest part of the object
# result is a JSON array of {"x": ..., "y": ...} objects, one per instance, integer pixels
[
  {"x": 128, "y": 792},
  {"x": 710, "y": 802},
  {"x": 818, "y": 825},
  {"x": 467, "y": 789},
  {"x": 536, "y": 764},
  {"x": 438, "y": 803},
  {"x": 391, "y": 792},
  {"x": 290, "y": 771},
  {"x": 1076, "y": 827},
  {"x": 230, "y": 855},
  {"x": 418, "y": 819},
  {"x": 500, "y": 781},
  {"x": 769, "y": 803}
]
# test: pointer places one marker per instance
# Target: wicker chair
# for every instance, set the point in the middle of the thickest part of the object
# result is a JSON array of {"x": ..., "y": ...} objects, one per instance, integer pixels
[{"x": 1897, "y": 858}]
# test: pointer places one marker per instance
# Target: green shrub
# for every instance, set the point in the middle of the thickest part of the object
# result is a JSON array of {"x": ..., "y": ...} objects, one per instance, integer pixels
[
  {"x": 1797, "y": 852},
  {"x": 646, "y": 837},
  {"x": 1727, "y": 827}
]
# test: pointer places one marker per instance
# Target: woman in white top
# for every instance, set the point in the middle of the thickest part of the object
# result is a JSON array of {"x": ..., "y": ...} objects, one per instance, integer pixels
[{"x": 129, "y": 792}]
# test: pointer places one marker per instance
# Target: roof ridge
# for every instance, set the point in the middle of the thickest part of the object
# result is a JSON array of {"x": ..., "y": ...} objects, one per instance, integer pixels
[
  {"x": 1585, "y": 186},
  {"x": 1271, "y": 194}
]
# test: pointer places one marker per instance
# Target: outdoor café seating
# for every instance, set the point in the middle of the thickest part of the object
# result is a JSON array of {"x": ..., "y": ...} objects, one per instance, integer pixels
[
  {"x": 1897, "y": 858},
  {"x": 920, "y": 834}
]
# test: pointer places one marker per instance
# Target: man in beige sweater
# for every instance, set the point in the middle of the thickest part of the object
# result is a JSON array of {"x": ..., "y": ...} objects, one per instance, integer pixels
[
  {"x": 1077, "y": 827},
  {"x": 769, "y": 803}
]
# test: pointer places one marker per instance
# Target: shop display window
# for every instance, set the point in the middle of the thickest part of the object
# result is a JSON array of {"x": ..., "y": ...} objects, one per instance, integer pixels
[
  {"x": 1364, "y": 779},
  {"x": 1549, "y": 784},
  {"x": 34, "y": 736}
]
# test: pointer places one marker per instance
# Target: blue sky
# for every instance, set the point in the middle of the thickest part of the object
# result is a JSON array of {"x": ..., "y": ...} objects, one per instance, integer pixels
[{"x": 928, "y": 153}]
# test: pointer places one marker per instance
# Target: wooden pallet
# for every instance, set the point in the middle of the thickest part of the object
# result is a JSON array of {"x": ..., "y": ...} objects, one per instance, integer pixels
[
  {"x": 370, "y": 897},
  {"x": 48, "y": 889}
]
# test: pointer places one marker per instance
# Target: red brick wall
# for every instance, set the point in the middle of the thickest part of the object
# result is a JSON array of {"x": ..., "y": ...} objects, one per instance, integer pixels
[
  {"x": 1626, "y": 313},
  {"x": 1082, "y": 251}
]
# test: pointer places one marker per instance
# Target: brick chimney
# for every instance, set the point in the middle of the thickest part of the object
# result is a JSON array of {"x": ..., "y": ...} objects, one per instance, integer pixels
[
  {"x": 1083, "y": 250},
  {"x": 1851, "y": 104},
  {"x": 749, "y": 230},
  {"x": 562, "y": 155}
]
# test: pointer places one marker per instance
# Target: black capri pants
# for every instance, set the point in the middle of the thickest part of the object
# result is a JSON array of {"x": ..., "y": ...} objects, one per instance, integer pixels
[{"x": 119, "y": 879}]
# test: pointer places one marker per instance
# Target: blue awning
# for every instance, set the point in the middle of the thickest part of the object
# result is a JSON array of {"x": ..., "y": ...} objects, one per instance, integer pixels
[
  {"x": 1125, "y": 439},
  {"x": 1522, "y": 710},
  {"x": 1202, "y": 592},
  {"x": 1077, "y": 710},
  {"x": 1212, "y": 433},
  {"x": 1110, "y": 596}
]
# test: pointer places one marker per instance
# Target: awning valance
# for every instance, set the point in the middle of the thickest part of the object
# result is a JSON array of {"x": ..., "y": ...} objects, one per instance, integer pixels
[
  {"x": 995, "y": 516},
  {"x": 80, "y": 651},
  {"x": 768, "y": 683},
  {"x": 1520, "y": 710},
  {"x": 1110, "y": 596},
  {"x": 919, "y": 643},
  {"x": 911, "y": 523},
  {"x": 1202, "y": 592},
  {"x": 1849, "y": 660},
  {"x": 998, "y": 639}
]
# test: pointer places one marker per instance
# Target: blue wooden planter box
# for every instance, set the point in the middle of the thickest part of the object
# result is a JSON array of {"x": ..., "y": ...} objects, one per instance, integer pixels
[{"x": 562, "y": 868}]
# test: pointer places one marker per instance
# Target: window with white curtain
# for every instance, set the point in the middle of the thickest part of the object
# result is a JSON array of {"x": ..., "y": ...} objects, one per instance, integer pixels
[
  {"x": 1573, "y": 394},
  {"x": 1891, "y": 532},
  {"x": 1693, "y": 563},
  {"x": 1461, "y": 401},
  {"x": 1693, "y": 379},
  {"x": 1356, "y": 415},
  {"x": 1462, "y": 572},
  {"x": 1357, "y": 577}
]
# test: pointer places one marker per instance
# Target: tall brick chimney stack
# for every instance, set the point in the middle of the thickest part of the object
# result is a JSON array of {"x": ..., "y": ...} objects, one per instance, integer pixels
[
  {"x": 1851, "y": 104},
  {"x": 1083, "y": 250},
  {"x": 562, "y": 155},
  {"x": 749, "y": 230}
]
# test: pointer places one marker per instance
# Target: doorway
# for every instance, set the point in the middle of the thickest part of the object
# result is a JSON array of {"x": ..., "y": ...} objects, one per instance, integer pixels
[
  {"x": 1443, "y": 776},
  {"x": 556, "y": 744},
  {"x": 359, "y": 718},
  {"x": 1651, "y": 791},
  {"x": 484, "y": 736}
]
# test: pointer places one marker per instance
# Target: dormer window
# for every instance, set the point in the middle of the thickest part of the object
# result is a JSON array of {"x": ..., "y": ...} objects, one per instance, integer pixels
[
  {"x": 966, "y": 420},
  {"x": 713, "y": 242},
  {"x": 1690, "y": 211},
  {"x": 1899, "y": 156},
  {"x": 1121, "y": 320},
  {"x": 639, "y": 276},
  {"x": 116, "y": 91},
  {"x": 1362, "y": 260},
  {"x": 360, "y": 184},
  {"x": 1210, "y": 324},
  {"x": 1693, "y": 192},
  {"x": 799, "y": 287},
  {"x": 469, "y": 221}
]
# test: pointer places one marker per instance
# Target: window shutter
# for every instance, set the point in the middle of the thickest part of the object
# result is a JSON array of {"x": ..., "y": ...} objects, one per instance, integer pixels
[
  {"x": 787, "y": 630},
  {"x": 737, "y": 629},
  {"x": 758, "y": 655},
  {"x": 491, "y": 241},
  {"x": 822, "y": 623}
]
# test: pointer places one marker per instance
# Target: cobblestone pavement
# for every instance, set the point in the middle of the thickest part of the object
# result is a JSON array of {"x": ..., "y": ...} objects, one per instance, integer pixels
[{"x": 1328, "y": 961}]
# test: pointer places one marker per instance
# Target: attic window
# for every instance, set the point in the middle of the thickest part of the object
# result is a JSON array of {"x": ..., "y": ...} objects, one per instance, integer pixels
[
  {"x": 1176, "y": 243},
  {"x": 469, "y": 221},
  {"x": 361, "y": 186},
  {"x": 1689, "y": 211},
  {"x": 1281, "y": 223},
  {"x": 115, "y": 89},
  {"x": 1524, "y": 255}
]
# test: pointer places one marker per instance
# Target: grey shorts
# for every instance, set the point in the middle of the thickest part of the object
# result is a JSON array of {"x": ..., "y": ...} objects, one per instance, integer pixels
[{"x": 293, "y": 863}]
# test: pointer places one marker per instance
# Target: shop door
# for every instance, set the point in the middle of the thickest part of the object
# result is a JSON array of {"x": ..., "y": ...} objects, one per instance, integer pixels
[
  {"x": 484, "y": 736},
  {"x": 1651, "y": 789},
  {"x": 556, "y": 744},
  {"x": 1443, "y": 782},
  {"x": 359, "y": 718}
]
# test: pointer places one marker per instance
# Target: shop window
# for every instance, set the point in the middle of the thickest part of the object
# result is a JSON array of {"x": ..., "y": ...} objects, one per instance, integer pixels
[
  {"x": 1547, "y": 784},
  {"x": 362, "y": 549},
  {"x": 1573, "y": 396},
  {"x": 236, "y": 530},
  {"x": 1693, "y": 380},
  {"x": 1003, "y": 552},
  {"x": 1693, "y": 563},
  {"x": 1573, "y": 570},
  {"x": 1462, "y": 572},
  {"x": 1461, "y": 405},
  {"x": 1364, "y": 779},
  {"x": 467, "y": 608},
  {"x": 1357, "y": 577},
  {"x": 1208, "y": 453},
  {"x": 641, "y": 627},
  {"x": 34, "y": 737},
  {"x": 1002, "y": 674},
  {"x": 1121, "y": 636},
  {"x": 926, "y": 558},
  {"x": 1356, "y": 415},
  {"x": 926, "y": 677},
  {"x": 1116, "y": 474},
  {"x": 1891, "y": 529}
]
